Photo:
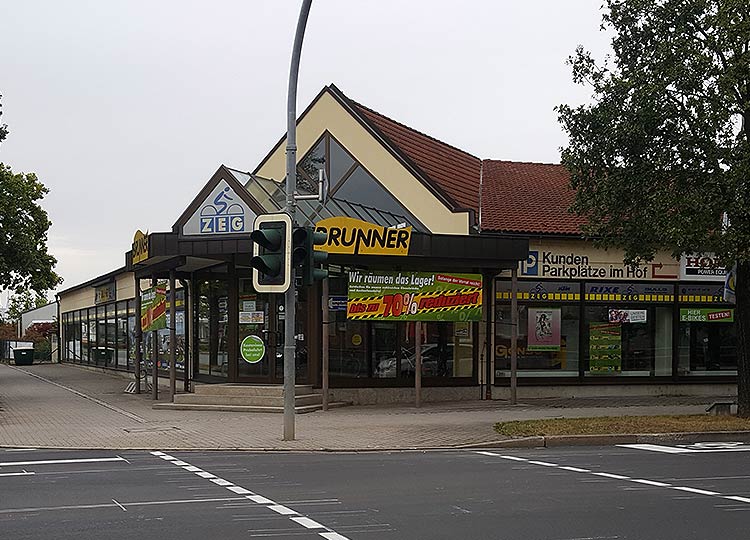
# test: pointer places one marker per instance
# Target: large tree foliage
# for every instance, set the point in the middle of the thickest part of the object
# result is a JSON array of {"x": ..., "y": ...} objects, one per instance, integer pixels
[
  {"x": 24, "y": 261},
  {"x": 661, "y": 159}
]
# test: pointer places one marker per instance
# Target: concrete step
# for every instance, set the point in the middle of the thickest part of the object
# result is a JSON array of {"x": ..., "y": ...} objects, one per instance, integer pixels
[
  {"x": 249, "y": 389},
  {"x": 247, "y": 400},
  {"x": 243, "y": 408}
]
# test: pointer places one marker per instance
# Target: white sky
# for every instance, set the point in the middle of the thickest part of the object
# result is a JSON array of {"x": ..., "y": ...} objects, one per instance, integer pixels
[{"x": 125, "y": 108}]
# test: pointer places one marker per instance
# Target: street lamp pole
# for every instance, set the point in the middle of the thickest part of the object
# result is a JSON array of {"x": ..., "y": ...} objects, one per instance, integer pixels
[{"x": 290, "y": 208}]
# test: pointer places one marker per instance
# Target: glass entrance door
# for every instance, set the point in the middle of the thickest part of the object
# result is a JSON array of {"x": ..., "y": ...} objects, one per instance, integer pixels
[{"x": 258, "y": 335}]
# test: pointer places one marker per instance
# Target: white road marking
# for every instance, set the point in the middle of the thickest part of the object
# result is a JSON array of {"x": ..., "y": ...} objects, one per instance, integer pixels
[
  {"x": 621, "y": 477},
  {"x": 24, "y": 473},
  {"x": 20, "y": 449},
  {"x": 333, "y": 536},
  {"x": 698, "y": 448},
  {"x": 307, "y": 522},
  {"x": 656, "y": 448},
  {"x": 610, "y": 475},
  {"x": 57, "y": 461},
  {"x": 695, "y": 490},
  {"x": 221, "y": 482},
  {"x": 650, "y": 482},
  {"x": 259, "y": 499},
  {"x": 283, "y": 510},
  {"x": 108, "y": 505},
  {"x": 304, "y": 521},
  {"x": 121, "y": 506},
  {"x": 737, "y": 498}
]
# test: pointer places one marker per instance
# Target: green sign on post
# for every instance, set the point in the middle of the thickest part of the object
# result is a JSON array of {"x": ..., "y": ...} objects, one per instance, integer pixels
[{"x": 252, "y": 349}]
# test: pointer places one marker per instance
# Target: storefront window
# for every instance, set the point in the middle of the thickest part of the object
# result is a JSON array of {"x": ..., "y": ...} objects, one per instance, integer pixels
[
  {"x": 132, "y": 340},
  {"x": 548, "y": 329},
  {"x": 446, "y": 350},
  {"x": 708, "y": 341},
  {"x": 91, "y": 336},
  {"x": 628, "y": 329},
  {"x": 122, "y": 335}
]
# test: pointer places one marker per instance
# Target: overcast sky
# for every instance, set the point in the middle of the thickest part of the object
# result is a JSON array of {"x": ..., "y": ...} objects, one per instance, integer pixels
[{"x": 124, "y": 109}]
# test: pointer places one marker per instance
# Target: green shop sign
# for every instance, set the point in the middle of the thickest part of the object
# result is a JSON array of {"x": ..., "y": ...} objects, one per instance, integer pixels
[
  {"x": 414, "y": 296},
  {"x": 706, "y": 315},
  {"x": 252, "y": 349}
]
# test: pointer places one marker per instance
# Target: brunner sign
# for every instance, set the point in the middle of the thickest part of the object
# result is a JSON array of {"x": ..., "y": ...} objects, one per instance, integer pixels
[
  {"x": 355, "y": 237},
  {"x": 140, "y": 247}
]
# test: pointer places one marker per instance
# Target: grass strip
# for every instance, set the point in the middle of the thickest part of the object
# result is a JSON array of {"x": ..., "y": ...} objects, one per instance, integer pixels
[{"x": 604, "y": 425}]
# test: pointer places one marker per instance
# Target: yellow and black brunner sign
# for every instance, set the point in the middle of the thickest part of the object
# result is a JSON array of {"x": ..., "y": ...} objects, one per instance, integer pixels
[
  {"x": 140, "y": 247},
  {"x": 355, "y": 237}
]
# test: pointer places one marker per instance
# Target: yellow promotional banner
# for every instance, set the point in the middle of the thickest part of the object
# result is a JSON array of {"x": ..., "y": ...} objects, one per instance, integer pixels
[
  {"x": 355, "y": 237},
  {"x": 414, "y": 296}
]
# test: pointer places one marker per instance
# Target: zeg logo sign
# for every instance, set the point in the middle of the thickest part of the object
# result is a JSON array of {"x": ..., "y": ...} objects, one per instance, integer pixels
[{"x": 222, "y": 212}]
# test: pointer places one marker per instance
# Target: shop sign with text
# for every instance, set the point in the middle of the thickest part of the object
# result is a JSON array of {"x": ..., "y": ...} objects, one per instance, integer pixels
[
  {"x": 414, "y": 296},
  {"x": 140, "y": 247},
  {"x": 579, "y": 260},
  {"x": 105, "y": 293},
  {"x": 355, "y": 237},
  {"x": 154, "y": 308},
  {"x": 222, "y": 212},
  {"x": 701, "y": 267},
  {"x": 706, "y": 315}
]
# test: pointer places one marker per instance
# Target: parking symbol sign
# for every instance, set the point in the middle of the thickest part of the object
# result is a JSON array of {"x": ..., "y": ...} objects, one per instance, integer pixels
[{"x": 530, "y": 267}]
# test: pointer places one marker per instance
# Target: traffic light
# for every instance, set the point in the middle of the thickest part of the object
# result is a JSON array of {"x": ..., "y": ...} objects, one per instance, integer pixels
[
  {"x": 304, "y": 255},
  {"x": 272, "y": 247}
]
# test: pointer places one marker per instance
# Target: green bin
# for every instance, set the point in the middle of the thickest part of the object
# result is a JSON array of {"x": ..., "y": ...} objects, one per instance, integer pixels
[{"x": 23, "y": 357}]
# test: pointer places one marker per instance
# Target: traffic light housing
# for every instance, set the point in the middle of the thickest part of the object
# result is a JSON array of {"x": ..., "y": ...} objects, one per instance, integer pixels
[
  {"x": 272, "y": 247},
  {"x": 304, "y": 255}
]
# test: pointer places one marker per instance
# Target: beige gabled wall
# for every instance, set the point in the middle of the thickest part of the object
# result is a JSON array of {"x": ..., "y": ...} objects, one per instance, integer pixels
[{"x": 328, "y": 114}]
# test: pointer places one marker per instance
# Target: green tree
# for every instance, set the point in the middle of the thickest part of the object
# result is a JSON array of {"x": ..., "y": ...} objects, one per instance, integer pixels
[
  {"x": 20, "y": 303},
  {"x": 661, "y": 158},
  {"x": 24, "y": 261},
  {"x": 3, "y": 127}
]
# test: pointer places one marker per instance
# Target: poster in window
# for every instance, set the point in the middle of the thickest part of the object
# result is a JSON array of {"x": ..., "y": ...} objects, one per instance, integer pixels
[
  {"x": 605, "y": 348},
  {"x": 544, "y": 329}
]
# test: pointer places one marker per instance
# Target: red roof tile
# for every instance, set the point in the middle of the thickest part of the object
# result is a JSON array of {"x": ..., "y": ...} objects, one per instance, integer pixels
[
  {"x": 527, "y": 198},
  {"x": 453, "y": 172},
  {"x": 516, "y": 197}
]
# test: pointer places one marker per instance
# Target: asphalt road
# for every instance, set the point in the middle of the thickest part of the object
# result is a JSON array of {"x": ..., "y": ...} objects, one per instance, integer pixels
[{"x": 700, "y": 492}]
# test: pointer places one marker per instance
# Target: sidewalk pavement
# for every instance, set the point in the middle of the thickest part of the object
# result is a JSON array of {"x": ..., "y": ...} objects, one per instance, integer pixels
[{"x": 66, "y": 406}]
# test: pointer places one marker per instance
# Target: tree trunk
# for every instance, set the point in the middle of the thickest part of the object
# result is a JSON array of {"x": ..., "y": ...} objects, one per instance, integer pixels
[{"x": 742, "y": 281}]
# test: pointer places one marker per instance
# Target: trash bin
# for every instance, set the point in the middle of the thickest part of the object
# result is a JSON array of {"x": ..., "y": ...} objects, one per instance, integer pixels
[{"x": 23, "y": 357}]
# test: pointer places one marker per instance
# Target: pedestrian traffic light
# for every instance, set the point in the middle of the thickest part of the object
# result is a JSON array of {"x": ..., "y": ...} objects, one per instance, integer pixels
[
  {"x": 272, "y": 247},
  {"x": 304, "y": 255}
]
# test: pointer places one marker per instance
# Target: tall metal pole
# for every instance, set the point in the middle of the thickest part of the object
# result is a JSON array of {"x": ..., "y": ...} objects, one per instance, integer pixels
[
  {"x": 138, "y": 335},
  {"x": 290, "y": 320},
  {"x": 514, "y": 336},
  {"x": 172, "y": 336},
  {"x": 326, "y": 321},
  {"x": 154, "y": 355}
]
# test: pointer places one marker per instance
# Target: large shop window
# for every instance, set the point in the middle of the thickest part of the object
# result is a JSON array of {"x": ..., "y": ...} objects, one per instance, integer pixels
[
  {"x": 548, "y": 329},
  {"x": 386, "y": 349},
  {"x": 707, "y": 333},
  {"x": 628, "y": 329}
]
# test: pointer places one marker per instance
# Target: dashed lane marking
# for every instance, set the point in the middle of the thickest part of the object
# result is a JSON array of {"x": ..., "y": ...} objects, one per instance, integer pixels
[
  {"x": 643, "y": 481},
  {"x": 294, "y": 516}
]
